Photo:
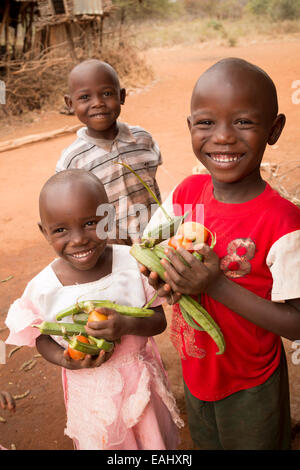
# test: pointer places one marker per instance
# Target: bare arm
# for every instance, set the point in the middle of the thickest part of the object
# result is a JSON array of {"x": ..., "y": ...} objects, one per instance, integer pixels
[
  {"x": 50, "y": 350},
  {"x": 280, "y": 318},
  {"x": 118, "y": 325},
  {"x": 55, "y": 354}
]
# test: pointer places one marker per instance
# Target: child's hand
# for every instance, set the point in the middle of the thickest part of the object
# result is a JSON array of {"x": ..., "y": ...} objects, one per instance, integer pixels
[
  {"x": 199, "y": 278},
  {"x": 111, "y": 329},
  {"x": 87, "y": 362},
  {"x": 7, "y": 401},
  {"x": 163, "y": 290}
]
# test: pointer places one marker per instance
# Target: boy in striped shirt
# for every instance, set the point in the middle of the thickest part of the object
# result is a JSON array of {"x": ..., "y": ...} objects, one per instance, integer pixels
[{"x": 95, "y": 96}]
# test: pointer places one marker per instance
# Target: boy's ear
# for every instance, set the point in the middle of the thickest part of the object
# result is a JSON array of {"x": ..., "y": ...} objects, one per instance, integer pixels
[
  {"x": 122, "y": 95},
  {"x": 189, "y": 123},
  {"x": 276, "y": 129},
  {"x": 43, "y": 231},
  {"x": 68, "y": 102}
]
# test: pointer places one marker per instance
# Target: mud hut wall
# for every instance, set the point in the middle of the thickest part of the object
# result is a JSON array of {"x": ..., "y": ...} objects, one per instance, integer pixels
[
  {"x": 80, "y": 19},
  {"x": 64, "y": 37},
  {"x": 47, "y": 7}
]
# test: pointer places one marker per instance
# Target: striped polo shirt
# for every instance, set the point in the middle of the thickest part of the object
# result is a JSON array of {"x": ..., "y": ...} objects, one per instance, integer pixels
[{"x": 134, "y": 146}]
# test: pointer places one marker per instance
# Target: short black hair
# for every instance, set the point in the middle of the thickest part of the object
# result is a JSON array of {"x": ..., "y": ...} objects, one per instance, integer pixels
[
  {"x": 69, "y": 176},
  {"x": 95, "y": 63},
  {"x": 236, "y": 63}
]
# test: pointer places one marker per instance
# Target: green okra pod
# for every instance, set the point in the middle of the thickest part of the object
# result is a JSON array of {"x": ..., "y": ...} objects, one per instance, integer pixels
[
  {"x": 189, "y": 319},
  {"x": 61, "y": 329},
  {"x": 159, "y": 250},
  {"x": 80, "y": 318},
  {"x": 85, "y": 348},
  {"x": 149, "y": 258},
  {"x": 89, "y": 305},
  {"x": 101, "y": 343},
  {"x": 71, "y": 330},
  {"x": 202, "y": 317},
  {"x": 162, "y": 232},
  {"x": 80, "y": 306}
]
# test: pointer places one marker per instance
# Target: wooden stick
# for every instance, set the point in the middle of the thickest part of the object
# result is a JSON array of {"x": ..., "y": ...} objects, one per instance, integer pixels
[{"x": 16, "y": 143}]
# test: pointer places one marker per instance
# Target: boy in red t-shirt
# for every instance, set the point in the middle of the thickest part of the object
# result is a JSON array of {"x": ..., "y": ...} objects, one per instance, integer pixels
[{"x": 250, "y": 281}]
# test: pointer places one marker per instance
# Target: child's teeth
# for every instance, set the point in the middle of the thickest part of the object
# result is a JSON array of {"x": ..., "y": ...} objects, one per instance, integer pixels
[
  {"x": 82, "y": 255},
  {"x": 225, "y": 158}
]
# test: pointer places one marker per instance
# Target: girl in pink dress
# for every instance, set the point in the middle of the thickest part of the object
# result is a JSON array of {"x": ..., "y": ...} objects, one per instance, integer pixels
[{"x": 118, "y": 400}]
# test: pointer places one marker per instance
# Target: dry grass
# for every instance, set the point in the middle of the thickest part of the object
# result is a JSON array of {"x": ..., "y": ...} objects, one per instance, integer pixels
[
  {"x": 38, "y": 83},
  {"x": 131, "y": 65},
  {"x": 227, "y": 32}
]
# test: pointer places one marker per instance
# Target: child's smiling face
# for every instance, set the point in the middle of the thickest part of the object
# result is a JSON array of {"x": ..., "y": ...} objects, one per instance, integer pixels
[
  {"x": 69, "y": 222},
  {"x": 233, "y": 117},
  {"x": 96, "y": 98}
]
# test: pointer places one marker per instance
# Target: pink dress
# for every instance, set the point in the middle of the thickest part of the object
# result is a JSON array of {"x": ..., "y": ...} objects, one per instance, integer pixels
[{"x": 125, "y": 404}]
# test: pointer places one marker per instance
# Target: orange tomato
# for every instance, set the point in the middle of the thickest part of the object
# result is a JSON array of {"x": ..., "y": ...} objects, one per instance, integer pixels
[
  {"x": 189, "y": 234},
  {"x": 176, "y": 241},
  {"x": 179, "y": 241},
  {"x": 188, "y": 244},
  {"x": 73, "y": 353},
  {"x": 96, "y": 316},
  {"x": 194, "y": 232}
]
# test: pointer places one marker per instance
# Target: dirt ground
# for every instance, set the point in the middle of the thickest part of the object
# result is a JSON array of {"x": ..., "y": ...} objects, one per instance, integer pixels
[{"x": 162, "y": 109}]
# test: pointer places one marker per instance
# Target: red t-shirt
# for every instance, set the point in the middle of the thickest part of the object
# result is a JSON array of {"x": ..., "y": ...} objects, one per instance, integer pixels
[{"x": 245, "y": 233}]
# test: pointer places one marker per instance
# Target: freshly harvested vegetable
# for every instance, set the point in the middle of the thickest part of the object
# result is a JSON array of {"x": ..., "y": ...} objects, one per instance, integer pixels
[
  {"x": 149, "y": 254},
  {"x": 159, "y": 250},
  {"x": 83, "y": 312},
  {"x": 149, "y": 258},
  {"x": 61, "y": 329},
  {"x": 194, "y": 231},
  {"x": 189, "y": 235},
  {"x": 162, "y": 231},
  {"x": 176, "y": 241},
  {"x": 78, "y": 349},
  {"x": 68, "y": 330},
  {"x": 101, "y": 343},
  {"x": 189, "y": 319},
  {"x": 96, "y": 316},
  {"x": 80, "y": 318},
  {"x": 89, "y": 305},
  {"x": 201, "y": 316}
]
